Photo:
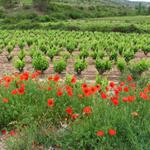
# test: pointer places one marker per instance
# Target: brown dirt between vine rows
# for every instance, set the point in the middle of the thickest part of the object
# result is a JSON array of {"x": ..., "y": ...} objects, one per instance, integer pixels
[{"x": 88, "y": 74}]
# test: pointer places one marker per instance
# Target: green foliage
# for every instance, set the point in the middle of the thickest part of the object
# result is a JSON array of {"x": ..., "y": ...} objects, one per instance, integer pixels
[
  {"x": 60, "y": 65},
  {"x": 103, "y": 65},
  {"x": 128, "y": 55},
  {"x": 21, "y": 54},
  {"x": 19, "y": 64},
  {"x": 84, "y": 54},
  {"x": 80, "y": 65},
  {"x": 121, "y": 64},
  {"x": 137, "y": 68},
  {"x": 52, "y": 52},
  {"x": 40, "y": 62}
]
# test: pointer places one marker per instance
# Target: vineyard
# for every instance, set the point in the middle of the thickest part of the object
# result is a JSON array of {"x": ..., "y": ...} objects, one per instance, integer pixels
[
  {"x": 83, "y": 53},
  {"x": 69, "y": 84}
]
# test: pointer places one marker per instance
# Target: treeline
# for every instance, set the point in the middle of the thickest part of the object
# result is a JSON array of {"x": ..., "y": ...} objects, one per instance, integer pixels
[{"x": 54, "y": 10}]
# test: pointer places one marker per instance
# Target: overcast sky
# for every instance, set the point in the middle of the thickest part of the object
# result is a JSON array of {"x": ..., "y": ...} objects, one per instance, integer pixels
[{"x": 141, "y": 0}]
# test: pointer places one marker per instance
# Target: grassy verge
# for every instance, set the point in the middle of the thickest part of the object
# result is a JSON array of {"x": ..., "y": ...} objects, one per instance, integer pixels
[{"x": 73, "y": 114}]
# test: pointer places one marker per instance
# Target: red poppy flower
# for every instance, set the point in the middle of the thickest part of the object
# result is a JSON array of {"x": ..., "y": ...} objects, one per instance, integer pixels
[
  {"x": 12, "y": 133},
  {"x": 115, "y": 102},
  {"x": 74, "y": 116},
  {"x": 100, "y": 133},
  {"x": 84, "y": 85},
  {"x": 122, "y": 84},
  {"x": 112, "y": 132},
  {"x": 112, "y": 84},
  {"x": 49, "y": 88},
  {"x": 86, "y": 91},
  {"x": 131, "y": 98},
  {"x": 3, "y": 132},
  {"x": 103, "y": 95},
  {"x": 107, "y": 89},
  {"x": 126, "y": 89},
  {"x": 129, "y": 78},
  {"x": 98, "y": 87},
  {"x": 93, "y": 89},
  {"x": 69, "y": 110},
  {"x": 70, "y": 93},
  {"x": 59, "y": 93},
  {"x": 146, "y": 90},
  {"x": 13, "y": 92},
  {"x": 5, "y": 100},
  {"x": 73, "y": 80},
  {"x": 87, "y": 110},
  {"x": 56, "y": 78},
  {"x": 24, "y": 76},
  {"x": 50, "y": 102},
  {"x": 144, "y": 96},
  {"x": 125, "y": 99},
  {"x": 50, "y": 78}
]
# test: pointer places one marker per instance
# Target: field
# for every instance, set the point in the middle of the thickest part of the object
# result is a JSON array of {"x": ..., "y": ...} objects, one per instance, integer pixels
[{"x": 74, "y": 84}]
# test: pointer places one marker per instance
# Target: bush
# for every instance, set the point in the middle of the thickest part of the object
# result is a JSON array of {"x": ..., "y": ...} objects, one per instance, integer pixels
[
  {"x": 80, "y": 65},
  {"x": 128, "y": 55},
  {"x": 121, "y": 64},
  {"x": 103, "y": 65},
  {"x": 51, "y": 53},
  {"x": 137, "y": 68},
  {"x": 60, "y": 65},
  {"x": 19, "y": 64},
  {"x": 83, "y": 54},
  {"x": 21, "y": 54},
  {"x": 40, "y": 62}
]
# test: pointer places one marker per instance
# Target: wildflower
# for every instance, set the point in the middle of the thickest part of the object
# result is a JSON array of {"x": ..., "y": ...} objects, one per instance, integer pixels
[
  {"x": 49, "y": 88},
  {"x": 50, "y": 78},
  {"x": 74, "y": 116},
  {"x": 56, "y": 78},
  {"x": 129, "y": 78},
  {"x": 131, "y": 98},
  {"x": 87, "y": 110},
  {"x": 115, "y": 102},
  {"x": 73, "y": 80},
  {"x": 12, "y": 133},
  {"x": 100, "y": 133},
  {"x": 103, "y": 95},
  {"x": 5, "y": 100},
  {"x": 122, "y": 84},
  {"x": 86, "y": 91},
  {"x": 69, "y": 110},
  {"x": 112, "y": 84},
  {"x": 50, "y": 102},
  {"x": 144, "y": 96},
  {"x": 13, "y": 92},
  {"x": 125, "y": 99},
  {"x": 98, "y": 87},
  {"x": 59, "y": 93},
  {"x": 84, "y": 85},
  {"x": 112, "y": 132},
  {"x": 24, "y": 76},
  {"x": 126, "y": 89},
  {"x": 3, "y": 132}
]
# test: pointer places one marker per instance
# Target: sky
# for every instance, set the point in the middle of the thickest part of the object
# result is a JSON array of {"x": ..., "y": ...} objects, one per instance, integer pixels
[{"x": 141, "y": 0}]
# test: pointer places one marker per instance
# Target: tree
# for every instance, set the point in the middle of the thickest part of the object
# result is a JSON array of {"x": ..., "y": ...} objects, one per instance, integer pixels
[
  {"x": 41, "y": 4},
  {"x": 8, "y": 3}
]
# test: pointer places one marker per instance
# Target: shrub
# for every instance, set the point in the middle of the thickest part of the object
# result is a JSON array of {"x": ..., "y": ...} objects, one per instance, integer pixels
[
  {"x": 102, "y": 65},
  {"x": 113, "y": 55},
  {"x": 51, "y": 53},
  {"x": 80, "y": 65},
  {"x": 137, "y": 68},
  {"x": 146, "y": 49},
  {"x": 21, "y": 54},
  {"x": 84, "y": 54},
  {"x": 19, "y": 64},
  {"x": 40, "y": 62},
  {"x": 70, "y": 47},
  {"x": 60, "y": 65},
  {"x": 98, "y": 54},
  {"x": 121, "y": 64},
  {"x": 128, "y": 55}
]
